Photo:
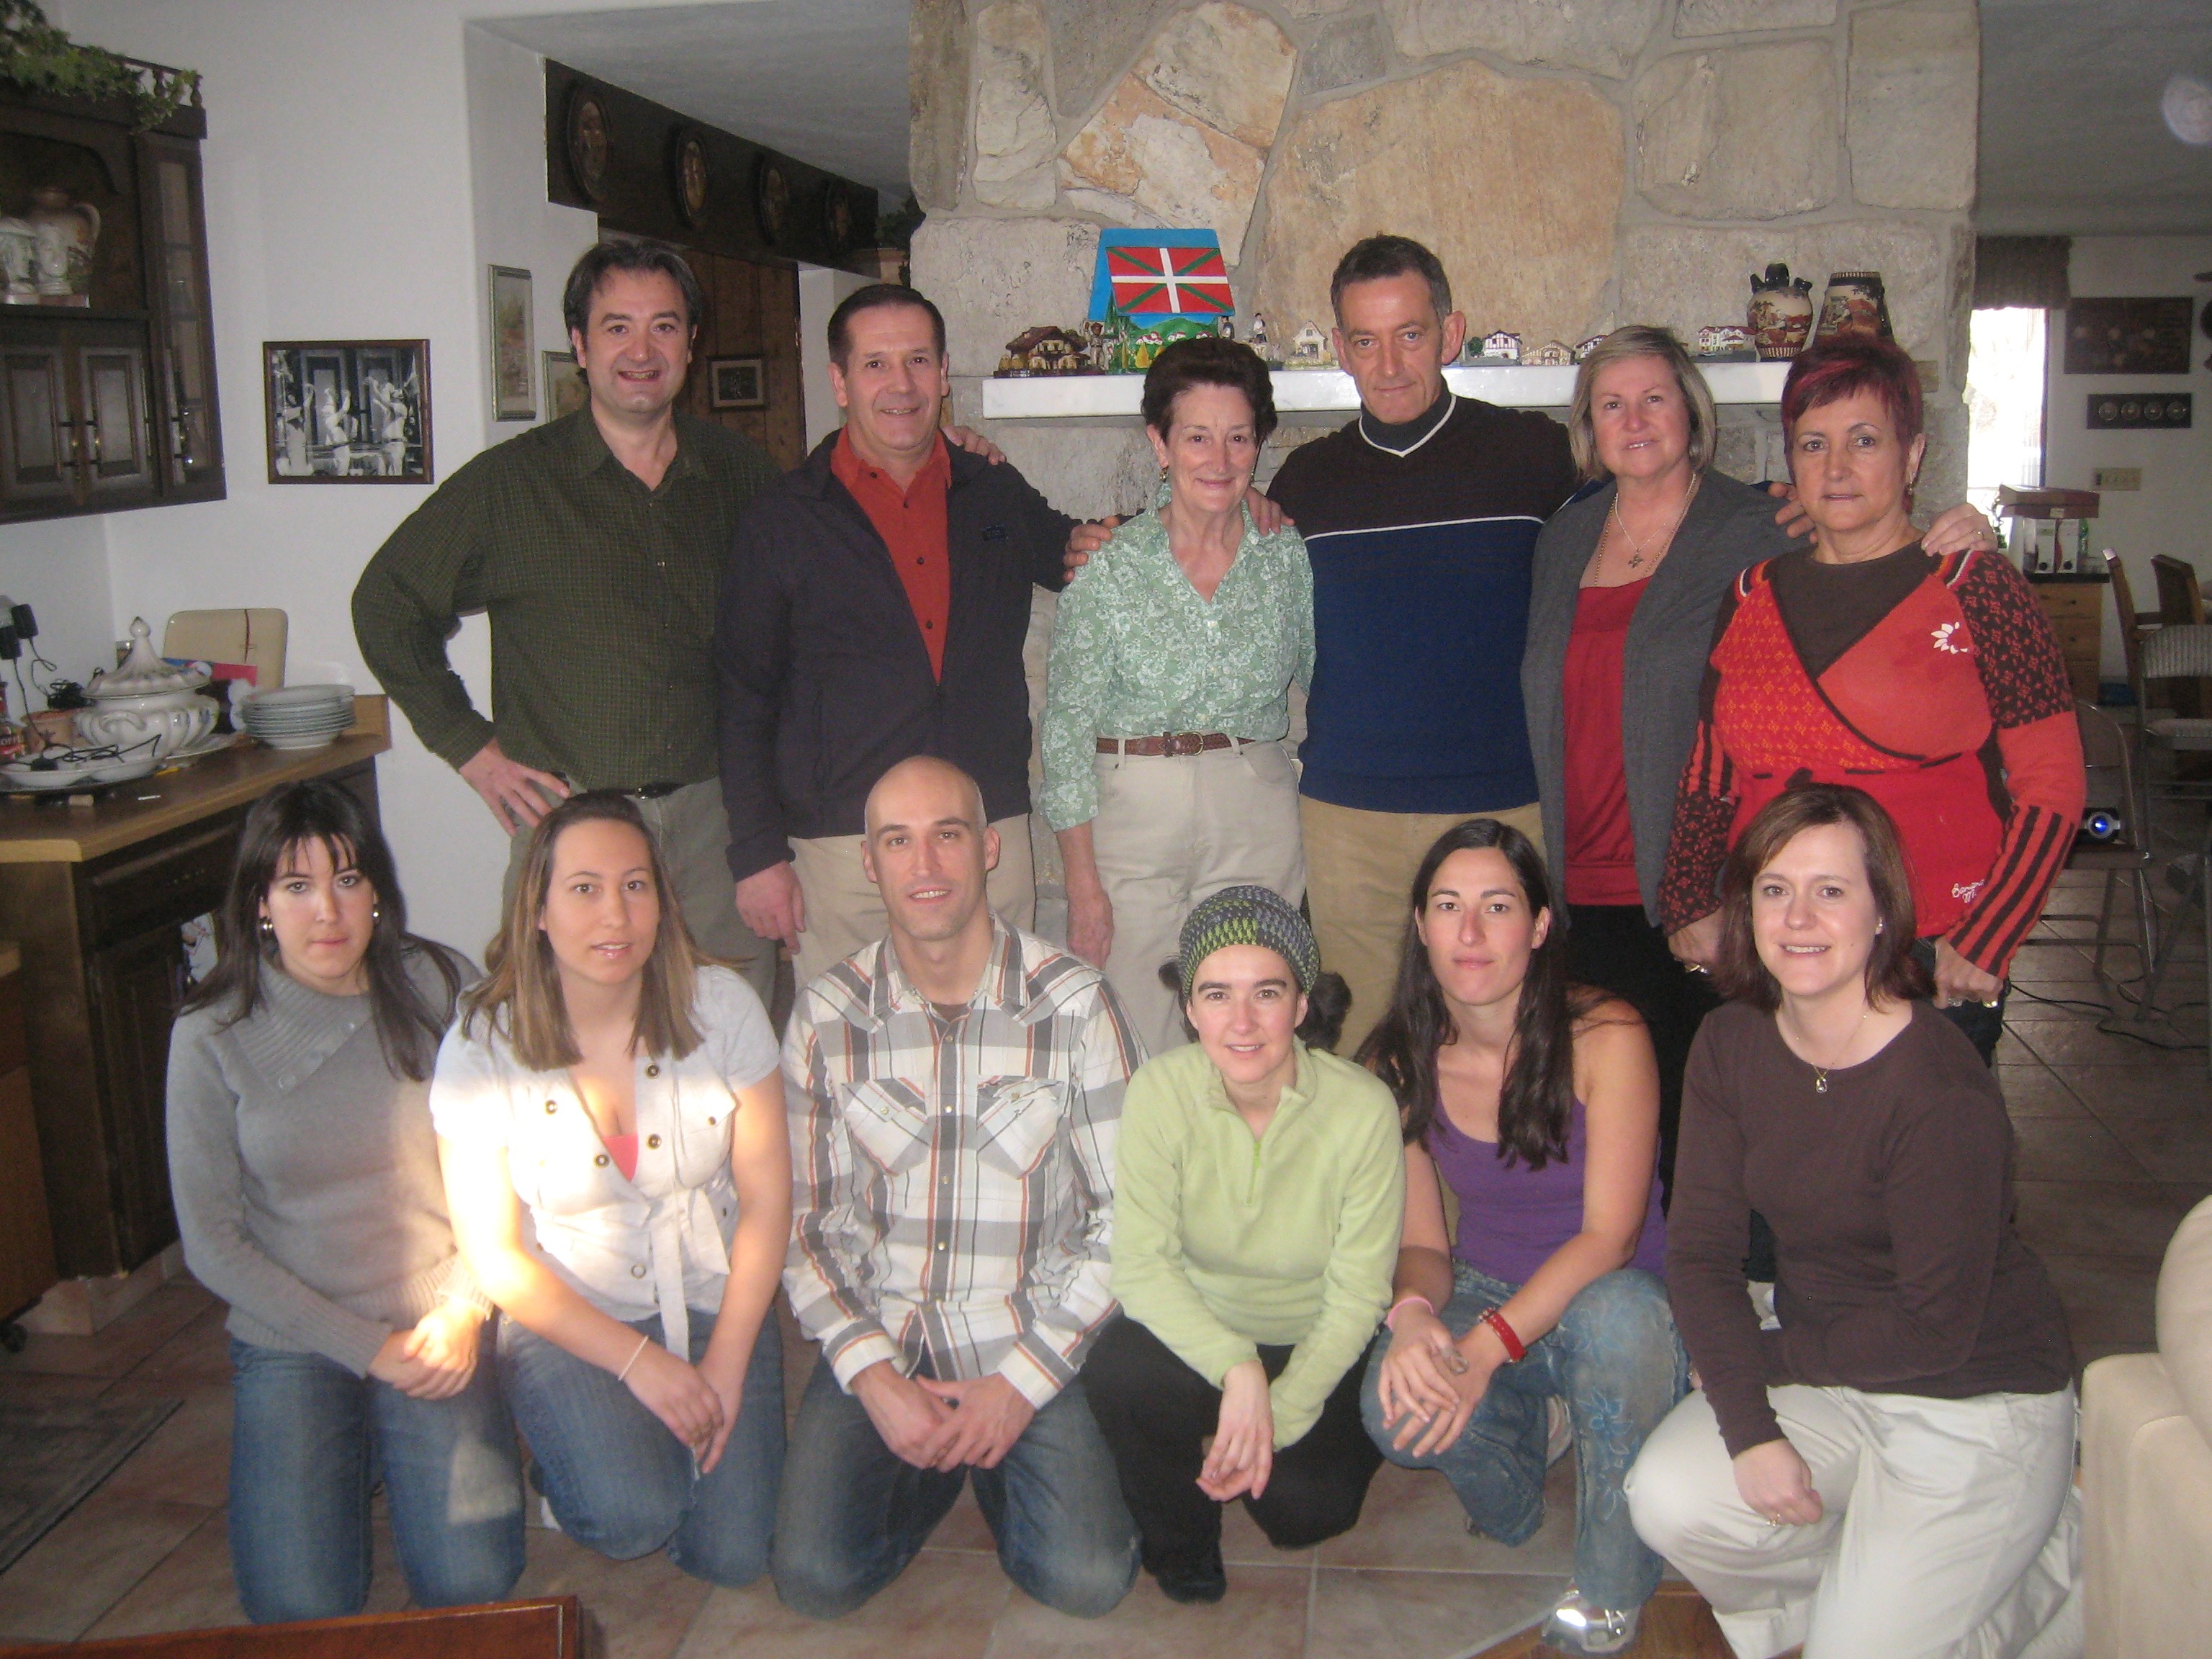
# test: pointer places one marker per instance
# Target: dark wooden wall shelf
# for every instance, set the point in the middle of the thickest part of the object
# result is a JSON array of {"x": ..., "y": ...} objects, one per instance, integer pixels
[{"x": 111, "y": 405}]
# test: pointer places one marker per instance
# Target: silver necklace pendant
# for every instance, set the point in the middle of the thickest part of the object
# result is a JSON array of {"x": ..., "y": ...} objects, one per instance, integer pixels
[{"x": 1820, "y": 1082}]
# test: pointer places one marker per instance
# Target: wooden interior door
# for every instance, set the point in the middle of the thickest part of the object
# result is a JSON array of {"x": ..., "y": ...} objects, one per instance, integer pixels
[{"x": 752, "y": 311}]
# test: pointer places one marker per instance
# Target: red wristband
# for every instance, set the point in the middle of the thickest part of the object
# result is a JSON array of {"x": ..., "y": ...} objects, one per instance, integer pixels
[{"x": 1513, "y": 1349}]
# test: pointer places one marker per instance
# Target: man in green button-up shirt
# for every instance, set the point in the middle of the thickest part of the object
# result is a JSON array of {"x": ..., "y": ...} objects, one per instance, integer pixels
[{"x": 595, "y": 543}]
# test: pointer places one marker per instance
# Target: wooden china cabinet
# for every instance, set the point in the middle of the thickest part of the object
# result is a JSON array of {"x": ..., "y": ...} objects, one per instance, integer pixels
[{"x": 110, "y": 403}]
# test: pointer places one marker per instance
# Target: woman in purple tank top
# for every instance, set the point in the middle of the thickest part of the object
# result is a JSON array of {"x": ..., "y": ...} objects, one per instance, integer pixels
[{"x": 1536, "y": 1102}]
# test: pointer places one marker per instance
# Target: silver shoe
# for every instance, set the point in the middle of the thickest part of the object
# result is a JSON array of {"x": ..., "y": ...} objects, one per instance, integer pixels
[{"x": 1576, "y": 1626}]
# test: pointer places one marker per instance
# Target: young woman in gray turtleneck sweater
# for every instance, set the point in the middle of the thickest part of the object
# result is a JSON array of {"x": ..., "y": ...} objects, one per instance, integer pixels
[{"x": 307, "y": 1188}]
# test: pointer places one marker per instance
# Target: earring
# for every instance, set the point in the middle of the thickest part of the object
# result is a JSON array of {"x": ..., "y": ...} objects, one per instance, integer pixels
[
  {"x": 268, "y": 927},
  {"x": 1879, "y": 926},
  {"x": 376, "y": 912}
]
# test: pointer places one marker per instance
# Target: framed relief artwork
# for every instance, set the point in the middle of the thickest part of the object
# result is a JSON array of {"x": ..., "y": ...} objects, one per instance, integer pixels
[
  {"x": 513, "y": 346},
  {"x": 565, "y": 390},
  {"x": 737, "y": 383},
  {"x": 2128, "y": 336},
  {"x": 347, "y": 411}
]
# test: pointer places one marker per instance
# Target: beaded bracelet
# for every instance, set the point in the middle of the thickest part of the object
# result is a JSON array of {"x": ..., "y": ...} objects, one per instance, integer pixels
[{"x": 1505, "y": 1333}]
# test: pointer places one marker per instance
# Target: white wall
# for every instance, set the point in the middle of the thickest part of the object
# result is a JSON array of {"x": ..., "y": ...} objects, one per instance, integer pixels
[
  {"x": 2172, "y": 511},
  {"x": 820, "y": 289},
  {"x": 363, "y": 165}
]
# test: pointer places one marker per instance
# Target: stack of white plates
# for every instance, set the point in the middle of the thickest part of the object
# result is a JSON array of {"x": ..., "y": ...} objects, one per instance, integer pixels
[{"x": 300, "y": 716}]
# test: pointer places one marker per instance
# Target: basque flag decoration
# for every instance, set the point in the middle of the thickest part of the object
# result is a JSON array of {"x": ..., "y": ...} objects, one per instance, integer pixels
[{"x": 1149, "y": 274}]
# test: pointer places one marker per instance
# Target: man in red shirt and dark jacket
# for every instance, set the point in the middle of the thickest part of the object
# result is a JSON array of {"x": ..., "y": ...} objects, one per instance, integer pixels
[{"x": 874, "y": 607}]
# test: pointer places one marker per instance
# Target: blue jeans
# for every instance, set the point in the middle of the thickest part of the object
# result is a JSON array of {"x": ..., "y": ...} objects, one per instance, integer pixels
[
  {"x": 854, "y": 1514},
  {"x": 309, "y": 1440},
  {"x": 1614, "y": 1358},
  {"x": 620, "y": 1483}
]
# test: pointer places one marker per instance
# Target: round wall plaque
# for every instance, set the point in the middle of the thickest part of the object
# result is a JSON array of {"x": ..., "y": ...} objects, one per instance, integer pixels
[
  {"x": 837, "y": 218},
  {"x": 771, "y": 199},
  {"x": 590, "y": 140},
  {"x": 688, "y": 177}
]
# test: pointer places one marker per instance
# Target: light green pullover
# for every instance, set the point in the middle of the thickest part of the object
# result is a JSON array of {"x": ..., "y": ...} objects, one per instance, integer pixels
[{"x": 1223, "y": 1242}]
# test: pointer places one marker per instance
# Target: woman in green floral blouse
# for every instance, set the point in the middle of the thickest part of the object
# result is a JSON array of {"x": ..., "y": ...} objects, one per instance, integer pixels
[{"x": 1166, "y": 775}]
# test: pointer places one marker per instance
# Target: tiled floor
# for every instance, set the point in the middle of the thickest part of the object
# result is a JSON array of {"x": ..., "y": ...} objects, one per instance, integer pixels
[{"x": 2115, "y": 1146}]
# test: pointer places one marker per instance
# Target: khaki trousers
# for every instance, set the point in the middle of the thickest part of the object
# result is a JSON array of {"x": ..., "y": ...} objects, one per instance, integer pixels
[
  {"x": 693, "y": 832},
  {"x": 1359, "y": 882},
  {"x": 1170, "y": 830},
  {"x": 1950, "y": 1527},
  {"x": 844, "y": 911}
]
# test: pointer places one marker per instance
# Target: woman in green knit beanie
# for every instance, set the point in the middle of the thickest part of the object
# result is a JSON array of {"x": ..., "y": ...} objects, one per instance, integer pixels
[{"x": 1258, "y": 1189}]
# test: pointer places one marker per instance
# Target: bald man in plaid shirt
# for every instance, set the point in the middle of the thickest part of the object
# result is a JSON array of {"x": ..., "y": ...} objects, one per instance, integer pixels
[{"x": 954, "y": 1092}]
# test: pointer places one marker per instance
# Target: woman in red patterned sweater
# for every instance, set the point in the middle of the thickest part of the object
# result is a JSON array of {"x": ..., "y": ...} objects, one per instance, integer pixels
[{"x": 1935, "y": 684}]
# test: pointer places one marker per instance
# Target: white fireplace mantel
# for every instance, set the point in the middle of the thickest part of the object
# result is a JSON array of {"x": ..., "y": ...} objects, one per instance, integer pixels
[{"x": 1330, "y": 392}]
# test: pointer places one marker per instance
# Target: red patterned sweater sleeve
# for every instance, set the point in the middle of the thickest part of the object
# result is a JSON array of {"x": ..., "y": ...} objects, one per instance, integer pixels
[
  {"x": 1705, "y": 806},
  {"x": 2040, "y": 743}
]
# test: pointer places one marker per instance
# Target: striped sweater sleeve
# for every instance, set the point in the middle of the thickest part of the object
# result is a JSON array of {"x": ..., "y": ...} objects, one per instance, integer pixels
[
  {"x": 1704, "y": 805},
  {"x": 2039, "y": 745}
]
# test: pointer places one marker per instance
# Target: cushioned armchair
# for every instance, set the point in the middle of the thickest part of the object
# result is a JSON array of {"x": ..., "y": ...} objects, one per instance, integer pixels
[{"x": 2147, "y": 1471}]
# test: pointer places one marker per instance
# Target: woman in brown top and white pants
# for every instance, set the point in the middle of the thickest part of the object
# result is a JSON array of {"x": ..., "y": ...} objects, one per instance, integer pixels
[{"x": 1885, "y": 1465}]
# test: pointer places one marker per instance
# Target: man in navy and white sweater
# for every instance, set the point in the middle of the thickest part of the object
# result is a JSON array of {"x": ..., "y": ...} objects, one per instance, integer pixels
[{"x": 1420, "y": 519}]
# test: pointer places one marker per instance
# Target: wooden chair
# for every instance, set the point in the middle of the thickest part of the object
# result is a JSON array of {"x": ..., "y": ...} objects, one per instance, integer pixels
[
  {"x": 2179, "y": 651},
  {"x": 2109, "y": 759},
  {"x": 2133, "y": 625},
  {"x": 2181, "y": 604}
]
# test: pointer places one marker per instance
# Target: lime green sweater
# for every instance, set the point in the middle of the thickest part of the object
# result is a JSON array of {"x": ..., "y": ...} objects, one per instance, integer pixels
[{"x": 1222, "y": 1243}]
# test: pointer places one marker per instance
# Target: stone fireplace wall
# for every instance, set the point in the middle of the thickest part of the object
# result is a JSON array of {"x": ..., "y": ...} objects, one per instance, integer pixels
[{"x": 1578, "y": 163}]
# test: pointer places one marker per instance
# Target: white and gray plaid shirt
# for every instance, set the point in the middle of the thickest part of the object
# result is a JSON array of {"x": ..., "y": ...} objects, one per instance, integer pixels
[{"x": 953, "y": 1178}]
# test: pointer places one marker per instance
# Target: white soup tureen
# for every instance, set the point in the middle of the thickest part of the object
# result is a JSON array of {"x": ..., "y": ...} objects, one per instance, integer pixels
[{"x": 144, "y": 707}]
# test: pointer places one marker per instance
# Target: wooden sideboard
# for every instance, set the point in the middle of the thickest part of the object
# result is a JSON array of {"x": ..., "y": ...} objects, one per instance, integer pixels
[
  {"x": 96, "y": 897},
  {"x": 26, "y": 1241},
  {"x": 2074, "y": 607}
]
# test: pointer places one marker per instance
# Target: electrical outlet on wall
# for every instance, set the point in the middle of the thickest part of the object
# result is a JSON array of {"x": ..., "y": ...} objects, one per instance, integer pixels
[{"x": 2119, "y": 477}]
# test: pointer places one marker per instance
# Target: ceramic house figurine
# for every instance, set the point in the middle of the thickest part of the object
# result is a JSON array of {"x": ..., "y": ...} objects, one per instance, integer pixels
[
  {"x": 1551, "y": 354},
  {"x": 1309, "y": 349},
  {"x": 1501, "y": 347},
  {"x": 1046, "y": 350},
  {"x": 1726, "y": 343},
  {"x": 1781, "y": 313},
  {"x": 1588, "y": 346}
]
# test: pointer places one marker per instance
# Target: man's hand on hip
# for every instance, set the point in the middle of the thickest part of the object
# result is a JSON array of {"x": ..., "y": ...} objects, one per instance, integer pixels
[
  {"x": 989, "y": 1415},
  {"x": 913, "y": 1422},
  {"x": 518, "y": 795},
  {"x": 772, "y": 905}
]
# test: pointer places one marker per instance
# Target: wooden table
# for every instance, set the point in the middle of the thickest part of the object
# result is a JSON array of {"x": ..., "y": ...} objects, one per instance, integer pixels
[
  {"x": 547, "y": 1629},
  {"x": 95, "y": 895}
]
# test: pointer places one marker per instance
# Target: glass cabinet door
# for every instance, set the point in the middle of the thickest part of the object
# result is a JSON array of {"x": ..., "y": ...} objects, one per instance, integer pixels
[{"x": 188, "y": 430}]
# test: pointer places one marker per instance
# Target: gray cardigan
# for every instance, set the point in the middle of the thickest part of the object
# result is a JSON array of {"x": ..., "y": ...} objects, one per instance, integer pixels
[
  {"x": 1730, "y": 528},
  {"x": 306, "y": 1174}
]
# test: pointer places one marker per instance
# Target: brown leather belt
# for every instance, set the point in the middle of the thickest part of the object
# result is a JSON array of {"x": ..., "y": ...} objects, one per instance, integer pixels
[{"x": 1174, "y": 743}]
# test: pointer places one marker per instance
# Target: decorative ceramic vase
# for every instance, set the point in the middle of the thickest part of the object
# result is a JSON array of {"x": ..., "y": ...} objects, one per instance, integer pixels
[
  {"x": 19, "y": 262},
  {"x": 1781, "y": 313},
  {"x": 1854, "y": 306},
  {"x": 65, "y": 234},
  {"x": 146, "y": 707}
]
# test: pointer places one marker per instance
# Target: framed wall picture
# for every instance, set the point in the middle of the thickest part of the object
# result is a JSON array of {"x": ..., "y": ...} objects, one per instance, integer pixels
[
  {"x": 347, "y": 411},
  {"x": 513, "y": 346},
  {"x": 565, "y": 390},
  {"x": 737, "y": 383},
  {"x": 2129, "y": 336}
]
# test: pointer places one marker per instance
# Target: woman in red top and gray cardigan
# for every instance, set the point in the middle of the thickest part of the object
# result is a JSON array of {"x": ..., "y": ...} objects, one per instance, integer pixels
[{"x": 1933, "y": 683}]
